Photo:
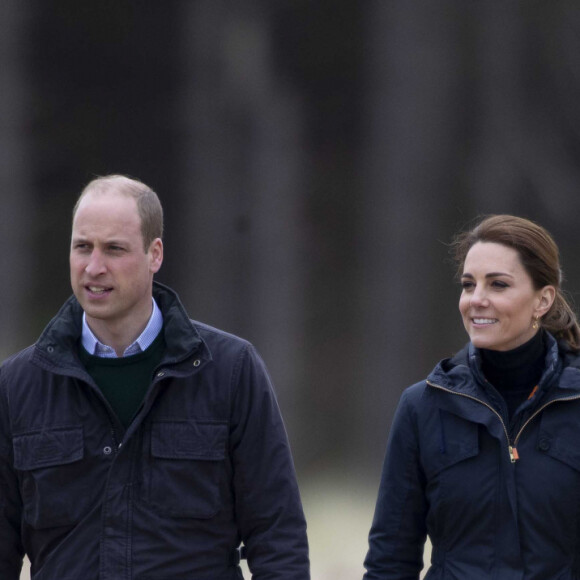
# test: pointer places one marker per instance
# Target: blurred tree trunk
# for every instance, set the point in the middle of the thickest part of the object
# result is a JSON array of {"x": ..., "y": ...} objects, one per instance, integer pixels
[
  {"x": 495, "y": 174},
  {"x": 17, "y": 217},
  {"x": 524, "y": 153},
  {"x": 411, "y": 144},
  {"x": 472, "y": 108},
  {"x": 319, "y": 53},
  {"x": 239, "y": 266}
]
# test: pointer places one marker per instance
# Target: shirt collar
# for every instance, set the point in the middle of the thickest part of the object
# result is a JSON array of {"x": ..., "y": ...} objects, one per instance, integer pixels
[{"x": 93, "y": 346}]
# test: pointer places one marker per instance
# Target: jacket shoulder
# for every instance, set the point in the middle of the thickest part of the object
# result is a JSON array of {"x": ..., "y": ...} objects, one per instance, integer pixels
[
  {"x": 16, "y": 369},
  {"x": 413, "y": 395},
  {"x": 223, "y": 345},
  {"x": 18, "y": 360},
  {"x": 210, "y": 334},
  {"x": 570, "y": 358}
]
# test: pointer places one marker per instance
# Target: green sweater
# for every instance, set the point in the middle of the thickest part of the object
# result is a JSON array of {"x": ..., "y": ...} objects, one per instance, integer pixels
[{"x": 125, "y": 380}]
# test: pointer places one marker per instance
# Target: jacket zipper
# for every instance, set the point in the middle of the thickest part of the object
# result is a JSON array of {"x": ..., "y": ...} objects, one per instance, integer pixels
[{"x": 512, "y": 446}]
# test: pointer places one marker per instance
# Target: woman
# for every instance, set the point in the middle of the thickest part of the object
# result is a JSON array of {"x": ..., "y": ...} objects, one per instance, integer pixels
[{"x": 484, "y": 456}]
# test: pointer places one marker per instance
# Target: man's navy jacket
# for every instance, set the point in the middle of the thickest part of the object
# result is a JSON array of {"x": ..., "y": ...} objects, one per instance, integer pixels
[{"x": 204, "y": 466}]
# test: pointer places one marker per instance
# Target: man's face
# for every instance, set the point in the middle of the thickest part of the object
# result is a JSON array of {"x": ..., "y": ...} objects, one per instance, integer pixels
[{"x": 111, "y": 272}]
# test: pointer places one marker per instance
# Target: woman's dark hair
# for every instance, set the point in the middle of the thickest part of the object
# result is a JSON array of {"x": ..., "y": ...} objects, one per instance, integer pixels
[{"x": 541, "y": 259}]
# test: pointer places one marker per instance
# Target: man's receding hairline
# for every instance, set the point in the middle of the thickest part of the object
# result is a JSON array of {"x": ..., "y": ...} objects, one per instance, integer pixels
[
  {"x": 106, "y": 186},
  {"x": 148, "y": 204}
]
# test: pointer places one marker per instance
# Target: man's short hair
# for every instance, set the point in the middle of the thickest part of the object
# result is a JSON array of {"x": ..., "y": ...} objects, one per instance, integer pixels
[{"x": 148, "y": 204}]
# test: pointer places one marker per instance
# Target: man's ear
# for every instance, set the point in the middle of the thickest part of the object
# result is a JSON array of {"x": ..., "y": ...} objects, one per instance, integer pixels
[{"x": 156, "y": 255}]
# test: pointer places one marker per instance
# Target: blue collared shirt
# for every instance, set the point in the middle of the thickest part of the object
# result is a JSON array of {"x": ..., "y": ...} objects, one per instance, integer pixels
[{"x": 93, "y": 346}]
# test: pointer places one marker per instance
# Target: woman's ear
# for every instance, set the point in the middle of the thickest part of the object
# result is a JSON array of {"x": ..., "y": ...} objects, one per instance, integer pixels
[{"x": 547, "y": 297}]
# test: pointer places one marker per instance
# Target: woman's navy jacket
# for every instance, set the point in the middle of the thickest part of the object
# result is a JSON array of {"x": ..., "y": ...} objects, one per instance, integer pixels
[
  {"x": 204, "y": 466},
  {"x": 498, "y": 500}
]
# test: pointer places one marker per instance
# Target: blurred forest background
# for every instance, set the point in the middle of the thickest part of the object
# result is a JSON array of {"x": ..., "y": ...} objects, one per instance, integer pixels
[{"x": 314, "y": 160}]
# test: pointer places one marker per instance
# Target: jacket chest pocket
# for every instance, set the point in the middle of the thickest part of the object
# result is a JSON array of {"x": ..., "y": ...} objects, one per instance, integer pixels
[
  {"x": 452, "y": 440},
  {"x": 559, "y": 433},
  {"x": 557, "y": 456},
  {"x": 184, "y": 467},
  {"x": 452, "y": 460},
  {"x": 49, "y": 463}
]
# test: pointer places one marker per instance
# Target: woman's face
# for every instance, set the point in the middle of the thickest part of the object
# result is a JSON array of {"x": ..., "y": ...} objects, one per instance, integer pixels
[{"x": 498, "y": 303}]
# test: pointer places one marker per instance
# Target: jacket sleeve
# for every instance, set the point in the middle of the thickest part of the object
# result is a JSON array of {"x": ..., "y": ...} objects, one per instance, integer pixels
[
  {"x": 268, "y": 505},
  {"x": 11, "y": 550},
  {"x": 398, "y": 532}
]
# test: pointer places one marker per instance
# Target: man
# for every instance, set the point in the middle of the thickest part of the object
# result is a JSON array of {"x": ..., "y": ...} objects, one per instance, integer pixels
[{"x": 136, "y": 443}]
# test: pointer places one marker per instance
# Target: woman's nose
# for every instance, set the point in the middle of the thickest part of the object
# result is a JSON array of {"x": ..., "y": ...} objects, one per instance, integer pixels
[{"x": 479, "y": 298}]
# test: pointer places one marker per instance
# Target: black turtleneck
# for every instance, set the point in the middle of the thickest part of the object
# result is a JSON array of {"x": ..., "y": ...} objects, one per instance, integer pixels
[{"x": 515, "y": 373}]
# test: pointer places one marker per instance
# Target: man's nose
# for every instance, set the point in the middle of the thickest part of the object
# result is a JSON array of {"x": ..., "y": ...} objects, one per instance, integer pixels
[{"x": 96, "y": 264}]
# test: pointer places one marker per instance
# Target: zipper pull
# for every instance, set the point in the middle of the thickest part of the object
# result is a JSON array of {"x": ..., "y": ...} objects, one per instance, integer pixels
[
  {"x": 533, "y": 393},
  {"x": 514, "y": 456}
]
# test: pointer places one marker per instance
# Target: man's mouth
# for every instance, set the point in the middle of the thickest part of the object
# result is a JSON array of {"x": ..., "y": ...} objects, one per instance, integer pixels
[{"x": 98, "y": 290}]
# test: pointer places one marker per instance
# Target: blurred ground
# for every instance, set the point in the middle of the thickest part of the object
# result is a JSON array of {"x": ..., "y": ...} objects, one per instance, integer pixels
[
  {"x": 25, "y": 571},
  {"x": 339, "y": 513}
]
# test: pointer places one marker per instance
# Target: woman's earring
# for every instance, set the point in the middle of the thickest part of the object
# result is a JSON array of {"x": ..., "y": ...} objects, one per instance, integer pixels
[{"x": 535, "y": 323}]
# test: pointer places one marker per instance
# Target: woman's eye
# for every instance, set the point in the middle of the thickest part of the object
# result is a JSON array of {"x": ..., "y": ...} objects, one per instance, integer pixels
[
  {"x": 499, "y": 284},
  {"x": 466, "y": 285}
]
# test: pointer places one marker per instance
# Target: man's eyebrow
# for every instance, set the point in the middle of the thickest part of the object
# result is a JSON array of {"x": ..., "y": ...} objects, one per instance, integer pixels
[{"x": 113, "y": 241}]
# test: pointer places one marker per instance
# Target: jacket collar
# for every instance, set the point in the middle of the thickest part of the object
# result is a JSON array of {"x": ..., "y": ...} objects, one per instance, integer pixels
[
  {"x": 58, "y": 343},
  {"x": 462, "y": 373}
]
